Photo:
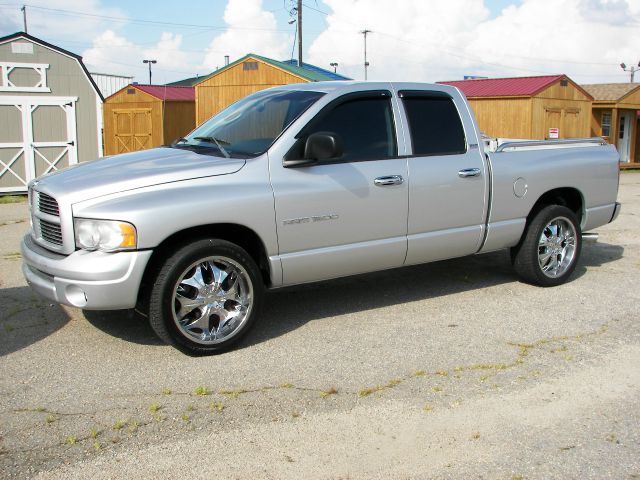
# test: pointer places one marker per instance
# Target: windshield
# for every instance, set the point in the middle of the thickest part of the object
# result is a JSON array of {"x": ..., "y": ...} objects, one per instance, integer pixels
[{"x": 248, "y": 127}]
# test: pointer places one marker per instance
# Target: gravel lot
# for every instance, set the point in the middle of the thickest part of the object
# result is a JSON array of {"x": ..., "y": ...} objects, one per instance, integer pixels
[{"x": 447, "y": 370}]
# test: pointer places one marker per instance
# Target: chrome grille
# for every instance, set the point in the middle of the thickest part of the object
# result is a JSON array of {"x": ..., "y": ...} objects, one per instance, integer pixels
[
  {"x": 47, "y": 204},
  {"x": 50, "y": 232}
]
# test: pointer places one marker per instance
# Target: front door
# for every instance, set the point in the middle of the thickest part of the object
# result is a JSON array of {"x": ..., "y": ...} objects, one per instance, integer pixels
[
  {"x": 346, "y": 216},
  {"x": 38, "y": 137},
  {"x": 623, "y": 136}
]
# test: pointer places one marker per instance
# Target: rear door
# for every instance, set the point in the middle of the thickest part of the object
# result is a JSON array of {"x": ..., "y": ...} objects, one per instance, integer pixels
[
  {"x": 449, "y": 178},
  {"x": 346, "y": 216}
]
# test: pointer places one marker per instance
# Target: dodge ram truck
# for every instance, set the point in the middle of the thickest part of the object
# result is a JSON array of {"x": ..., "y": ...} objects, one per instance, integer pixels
[{"x": 303, "y": 183}]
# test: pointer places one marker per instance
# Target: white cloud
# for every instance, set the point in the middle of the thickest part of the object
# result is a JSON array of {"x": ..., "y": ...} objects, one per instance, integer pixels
[
  {"x": 429, "y": 41},
  {"x": 252, "y": 30},
  {"x": 113, "y": 53}
]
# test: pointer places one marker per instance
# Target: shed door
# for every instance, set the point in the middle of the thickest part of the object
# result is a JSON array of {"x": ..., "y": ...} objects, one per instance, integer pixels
[
  {"x": 553, "y": 119},
  {"x": 132, "y": 129},
  {"x": 571, "y": 123},
  {"x": 38, "y": 136}
]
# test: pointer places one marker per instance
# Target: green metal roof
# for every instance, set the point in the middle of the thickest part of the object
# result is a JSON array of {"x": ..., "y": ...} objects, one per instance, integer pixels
[
  {"x": 188, "y": 82},
  {"x": 310, "y": 75}
]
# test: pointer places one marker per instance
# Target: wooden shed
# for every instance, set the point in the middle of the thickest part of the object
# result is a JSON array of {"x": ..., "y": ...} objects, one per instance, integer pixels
[
  {"x": 139, "y": 117},
  {"x": 616, "y": 107},
  {"x": 529, "y": 107},
  {"x": 49, "y": 111},
  {"x": 250, "y": 74}
]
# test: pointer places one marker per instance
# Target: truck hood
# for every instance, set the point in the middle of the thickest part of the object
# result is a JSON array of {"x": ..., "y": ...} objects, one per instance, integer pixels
[{"x": 133, "y": 170}]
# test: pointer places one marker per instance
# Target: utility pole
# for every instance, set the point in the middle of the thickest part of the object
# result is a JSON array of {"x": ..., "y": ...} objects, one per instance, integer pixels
[
  {"x": 366, "y": 64},
  {"x": 149, "y": 62},
  {"x": 24, "y": 17},
  {"x": 300, "y": 33},
  {"x": 631, "y": 70}
]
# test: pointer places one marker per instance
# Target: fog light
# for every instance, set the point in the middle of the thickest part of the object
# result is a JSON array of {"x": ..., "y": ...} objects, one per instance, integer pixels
[{"x": 75, "y": 295}]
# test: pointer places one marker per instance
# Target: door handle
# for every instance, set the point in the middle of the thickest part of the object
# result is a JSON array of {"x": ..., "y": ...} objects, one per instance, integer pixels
[
  {"x": 388, "y": 180},
  {"x": 469, "y": 172}
]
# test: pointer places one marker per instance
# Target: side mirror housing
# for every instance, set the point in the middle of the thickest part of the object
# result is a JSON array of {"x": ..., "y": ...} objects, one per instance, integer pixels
[
  {"x": 318, "y": 147},
  {"x": 322, "y": 146}
]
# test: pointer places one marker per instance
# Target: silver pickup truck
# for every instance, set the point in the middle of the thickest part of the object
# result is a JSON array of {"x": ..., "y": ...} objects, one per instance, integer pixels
[{"x": 303, "y": 183}]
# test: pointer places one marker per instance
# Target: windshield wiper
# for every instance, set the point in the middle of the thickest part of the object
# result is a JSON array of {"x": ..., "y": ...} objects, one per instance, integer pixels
[{"x": 218, "y": 143}]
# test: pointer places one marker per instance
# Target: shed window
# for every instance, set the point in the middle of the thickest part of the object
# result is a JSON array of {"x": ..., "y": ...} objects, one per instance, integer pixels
[
  {"x": 131, "y": 91},
  {"x": 606, "y": 124},
  {"x": 434, "y": 123},
  {"x": 250, "y": 66}
]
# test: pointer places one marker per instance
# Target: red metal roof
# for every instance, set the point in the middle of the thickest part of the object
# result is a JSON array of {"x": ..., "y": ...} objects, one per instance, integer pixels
[
  {"x": 504, "y": 87},
  {"x": 169, "y": 93}
]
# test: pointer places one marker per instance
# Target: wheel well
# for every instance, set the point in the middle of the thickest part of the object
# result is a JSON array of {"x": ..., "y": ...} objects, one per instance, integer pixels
[
  {"x": 567, "y": 197},
  {"x": 240, "y": 235}
]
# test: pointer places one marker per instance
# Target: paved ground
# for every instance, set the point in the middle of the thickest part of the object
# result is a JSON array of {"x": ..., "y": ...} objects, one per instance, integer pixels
[{"x": 449, "y": 370}]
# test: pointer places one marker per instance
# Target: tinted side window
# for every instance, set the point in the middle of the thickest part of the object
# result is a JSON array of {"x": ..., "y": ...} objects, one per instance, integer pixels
[
  {"x": 365, "y": 126},
  {"x": 435, "y": 125}
]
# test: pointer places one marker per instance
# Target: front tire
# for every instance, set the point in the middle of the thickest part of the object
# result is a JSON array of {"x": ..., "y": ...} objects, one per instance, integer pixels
[
  {"x": 550, "y": 249},
  {"x": 206, "y": 297}
]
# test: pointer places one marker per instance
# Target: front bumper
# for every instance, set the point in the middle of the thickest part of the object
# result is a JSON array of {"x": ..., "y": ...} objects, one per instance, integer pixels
[{"x": 89, "y": 280}]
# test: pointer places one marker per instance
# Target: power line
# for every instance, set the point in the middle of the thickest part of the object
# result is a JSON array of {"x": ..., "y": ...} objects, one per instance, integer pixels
[{"x": 60, "y": 11}]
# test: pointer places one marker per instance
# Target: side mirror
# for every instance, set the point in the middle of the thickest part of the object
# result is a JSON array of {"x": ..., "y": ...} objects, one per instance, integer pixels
[
  {"x": 322, "y": 146},
  {"x": 318, "y": 147}
]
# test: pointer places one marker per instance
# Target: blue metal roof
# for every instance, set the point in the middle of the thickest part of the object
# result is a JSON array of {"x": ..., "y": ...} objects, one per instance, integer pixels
[{"x": 318, "y": 70}]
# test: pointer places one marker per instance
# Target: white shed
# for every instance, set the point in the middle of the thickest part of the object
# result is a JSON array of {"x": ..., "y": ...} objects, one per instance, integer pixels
[{"x": 49, "y": 111}]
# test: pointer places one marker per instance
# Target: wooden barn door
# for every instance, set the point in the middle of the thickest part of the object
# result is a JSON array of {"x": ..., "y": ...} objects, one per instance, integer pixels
[
  {"x": 38, "y": 137},
  {"x": 133, "y": 129},
  {"x": 553, "y": 120}
]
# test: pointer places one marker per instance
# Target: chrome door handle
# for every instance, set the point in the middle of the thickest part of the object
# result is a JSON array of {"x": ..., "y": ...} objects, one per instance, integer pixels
[
  {"x": 469, "y": 172},
  {"x": 389, "y": 180}
]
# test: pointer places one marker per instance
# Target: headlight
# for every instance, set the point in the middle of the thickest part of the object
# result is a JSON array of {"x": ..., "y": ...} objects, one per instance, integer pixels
[{"x": 104, "y": 235}]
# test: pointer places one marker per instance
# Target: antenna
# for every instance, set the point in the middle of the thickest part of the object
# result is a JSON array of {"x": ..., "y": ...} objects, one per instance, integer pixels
[{"x": 366, "y": 64}]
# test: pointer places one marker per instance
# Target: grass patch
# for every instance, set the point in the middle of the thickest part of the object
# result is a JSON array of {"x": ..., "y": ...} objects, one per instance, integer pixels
[
  {"x": 327, "y": 393},
  {"x": 216, "y": 406},
  {"x": 134, "y": 425},
  {"x": 201, "y": 391},
  {"x": 167, "y": 391},
  {"x": 6, "y": 199},
  {"x": 94, "y": 432},
  {"x": 286, "y": 385},
  {"x": 118, "y": 425},
  {"x": 155, "y": 407},
  {"x": 51, "y": 418},
  {"x": 71, "y": 440},
  {"x": 365, "y": 392},
  {"x": 233, "y": 393},
  {"x": 419, "y": 373}
]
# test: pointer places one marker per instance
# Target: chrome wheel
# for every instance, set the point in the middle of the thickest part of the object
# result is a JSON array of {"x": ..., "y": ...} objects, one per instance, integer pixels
[
  {"x": 212, "y": 300},
  {"x": 557, "y": 247}
]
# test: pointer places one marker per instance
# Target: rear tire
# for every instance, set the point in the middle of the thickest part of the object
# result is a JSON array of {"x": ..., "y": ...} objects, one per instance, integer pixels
[
  {"x": 550, "y": 249},
  {"x": 205, "y": 297}
]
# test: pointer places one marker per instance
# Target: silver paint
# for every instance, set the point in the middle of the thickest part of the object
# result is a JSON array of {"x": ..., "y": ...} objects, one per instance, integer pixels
[{"x": 320, "y": 221}]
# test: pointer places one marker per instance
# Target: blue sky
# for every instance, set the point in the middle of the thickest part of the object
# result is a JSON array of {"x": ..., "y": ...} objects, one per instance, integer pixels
[{"x": 421, "y": 40}]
